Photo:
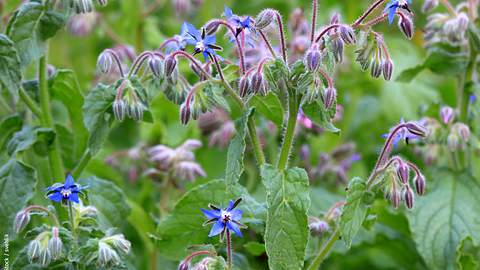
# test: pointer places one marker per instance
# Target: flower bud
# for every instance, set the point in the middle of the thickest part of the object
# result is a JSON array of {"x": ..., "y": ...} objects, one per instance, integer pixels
[
  {"x": 119, "y": 109},
  {"x": 395, "y": 198},
  {"x": 318, "y": 227},
  {"x": 429, "y": 5},
  {"x": 337, "y": 49},
  {"x": 453, "y": 142},
  {"x": 329, "y": 97},
  {"x": 156, "y": 65},
  {"x": 104, "y": 62},
  {"x": 185, "y": 112},
  {"x": 211, "y": 27},
  {"x": 313, "y": 57},
  {"x": 376, "y": 68},
  {"x": 416, "y": 129},
  {"x": 83, "y": 6},
  {"x": 184, "y": 265},
  {"x": 33, "y": 250},
  {"x": 464, "y": 131},
  {"x": 135, "y": 110},
  {"x": 405, "y": 24},
  {"x": 21, "y": 221},
  {"x": 119, "y": 242},
  {"x": 257, "y": 82},
  {"x": 55, "y": 244},
  {"x": 347, "y": 34},
  {"x": 244, "y": 86},
  {"x": 102, "y": 3},
  {"x": 387, "y": 69},
  {"x": 408, "y": 196},
  {"x": 402, "y": 171},
  {"x": 107, "y": 255},
  {"x": 462, "y": 22},
  {"x": 264, "y": 19},
  {"x": 45, "y": 257},
  {"x": 420, "y": 184},
  {"x": 170, "y": 64},
  {"x": 335, "y": 18},
  {"x": 446, "y": 114},
  {"x": 305, "y": 152}
]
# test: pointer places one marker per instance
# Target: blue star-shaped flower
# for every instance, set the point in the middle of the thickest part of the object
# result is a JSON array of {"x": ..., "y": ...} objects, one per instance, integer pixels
[
  {"x": 224, "y": 219},
  {"x": 237, "y": 21},
  {"x": 394, "y": 5},
  {"x": 402, "y": 134},
  {"x": 203, "y": 43},
  {"x": 65, "y": 192}
]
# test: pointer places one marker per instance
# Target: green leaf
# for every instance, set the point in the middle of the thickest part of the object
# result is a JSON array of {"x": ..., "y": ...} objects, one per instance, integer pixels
[
  {"x": 236, "y": 151},
  {"x": 183, "y": 227},
  {"x": 23, "y": 30},
  {"x": 41, "y": 139},
  {"x": 8, "y": 126},
  {"x": 468, "y": 255},
  {"x": 317, "y": 112},
  {"x": 448, "y": 213},
  {"x": 270, "y": 106},
  {"x": 288, "y": 200},
  {"x": 474, "y": 37},
  {"x": 409, "y": 74},
  {"x": 354, "y": 211},
  {"x": 109, "y": 200},
  {"x": 142, "y": 222},
  {"x": 10, "y": 75},
  {"x": 66, "y": 89},
  {"x": 17, "y": 183},
  {"x": 50, "y": 23},
  {"x": 97, "y": 115},
  {"x": 255, "y": 248}
]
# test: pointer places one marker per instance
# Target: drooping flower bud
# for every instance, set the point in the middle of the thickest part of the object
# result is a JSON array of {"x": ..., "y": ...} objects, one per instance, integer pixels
[
  {"x": 33, "y": 250},
  {"x": 83, "y": 6},
  {"x": 45, "y": 257},
  {"x": 21, "y": 221},
  {"x": 257, "y": 82},
  {"x": 211, "y": 27},
  {"x": 395, "y": 198},
  {"x": 170, "y": 64},
  {"x": 183, "y": 265},
  {"x": 405, "y": 24},
  {"x": 104, "y": 62},
  {"x": 264, "y": 19},
  {"x": 464, "y": 132},
  {"x": 402, "y": 171},
  {"x": 107, "y": 255},
  {"x": 318, "y": 227},
  {"x": 387, "y": 69},
  {"x": 347, "y": 34},
  {"x": 156, "y": 65},
  {"x": 416, "y": 129},
  {"x": 55, "y": 244},
  {"x": 447, "y": 114},
  {"x": 337, "y": 49},
  {"x": 136, "y": 110},
  {"x": 244, "y": 86},
  {"x": 408, "y": 196},
  {"x": 420, "y": 184},
  {"x": 313, "y": 57},
  {"x": 102, "y": 3},
  {"x": 453, "y": 142},
  {"x": 185, "y": 112},
  {"x": 462, "y": 22},
  {"x": 376, "y": 67},
  {"x": 329, "y": 97},
  {"x": 119, "y": 242},
  {"x": 429, "y": 5},
  {"x": 119, "y": 109}
]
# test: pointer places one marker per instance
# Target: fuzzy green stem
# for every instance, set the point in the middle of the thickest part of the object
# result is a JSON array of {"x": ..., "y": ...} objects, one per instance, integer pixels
[
  {"x": 289, "y": 133},
  {"x": 464, "y": 96},
  {"x": 46, "y": 210},
  {"x": 257, "y": 148},
  {"x": 72, "y": 220},
  {"x": 229, "y": 249},
  {"x": 30, "y": 103},
  {"x": 324, "y": 251},
  {"x": 45, "y": 105},
  {"x": 87, "y": 155}
]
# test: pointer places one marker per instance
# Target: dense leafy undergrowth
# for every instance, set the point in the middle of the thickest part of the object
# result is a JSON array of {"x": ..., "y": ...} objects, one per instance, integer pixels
[{"x": 316, "y": 139}]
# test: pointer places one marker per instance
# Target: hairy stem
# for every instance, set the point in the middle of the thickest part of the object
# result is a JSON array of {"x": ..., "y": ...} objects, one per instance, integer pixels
[
  {"x": 257, "y": 148},
  {"x": 267, "y": 42},
  {"x": 282, "y": 35},
  {"x": 87, "y": 155},
  {"x": 54, "y": 158},
  {"x": 314, "y": 20},
  {"x": 289, "y": 135},
  {"x": 367, "y": 12},
  {"x": 325, "y": 30},
  {"x": 324, "y": 251},
  {"x": 229, "y": 249},
  {"x": 43, "y": 209},
  {"x": 30, "y": 103}
]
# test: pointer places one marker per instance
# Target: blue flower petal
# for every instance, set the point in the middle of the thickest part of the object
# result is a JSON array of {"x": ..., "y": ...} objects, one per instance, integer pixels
[
  {"x": 230, "y": 205},
  {"x": 227, "y": 12},
  {"x": 69, "y": 181},
  {"x": 56, "y": 197},
  {"x": 217, "y": 228},
  {"x": 236, "y": 214},
  {"x": 211, "y": 213},
  {"x": 74, "y": 197},
  {"x": 391, "y": 13},
  {"x": 233, "y": 227},
  {"x": 209, "y": 40},
  {"x": 192, "y": 31}
]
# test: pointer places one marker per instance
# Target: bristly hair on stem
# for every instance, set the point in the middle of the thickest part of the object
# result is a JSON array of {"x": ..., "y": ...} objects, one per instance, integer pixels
[{"x": 314, "y": 20}]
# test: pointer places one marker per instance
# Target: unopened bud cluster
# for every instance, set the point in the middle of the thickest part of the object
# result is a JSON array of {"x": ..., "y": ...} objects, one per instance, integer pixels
[{"x": 373, "y": 54}]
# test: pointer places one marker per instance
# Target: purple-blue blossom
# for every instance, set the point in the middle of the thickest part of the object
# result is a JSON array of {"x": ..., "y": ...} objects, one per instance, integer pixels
[
  {"x": 224, "y": 219},
  {"x": 403, "y": 134},
  {"x": 68, "y": 191},
  {"x": 203, "y": 43},
  {"x": 394, "y": 5}
]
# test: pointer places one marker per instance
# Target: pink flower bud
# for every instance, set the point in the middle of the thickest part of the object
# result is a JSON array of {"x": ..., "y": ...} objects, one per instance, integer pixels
[{"x": 447, "y": 114}]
